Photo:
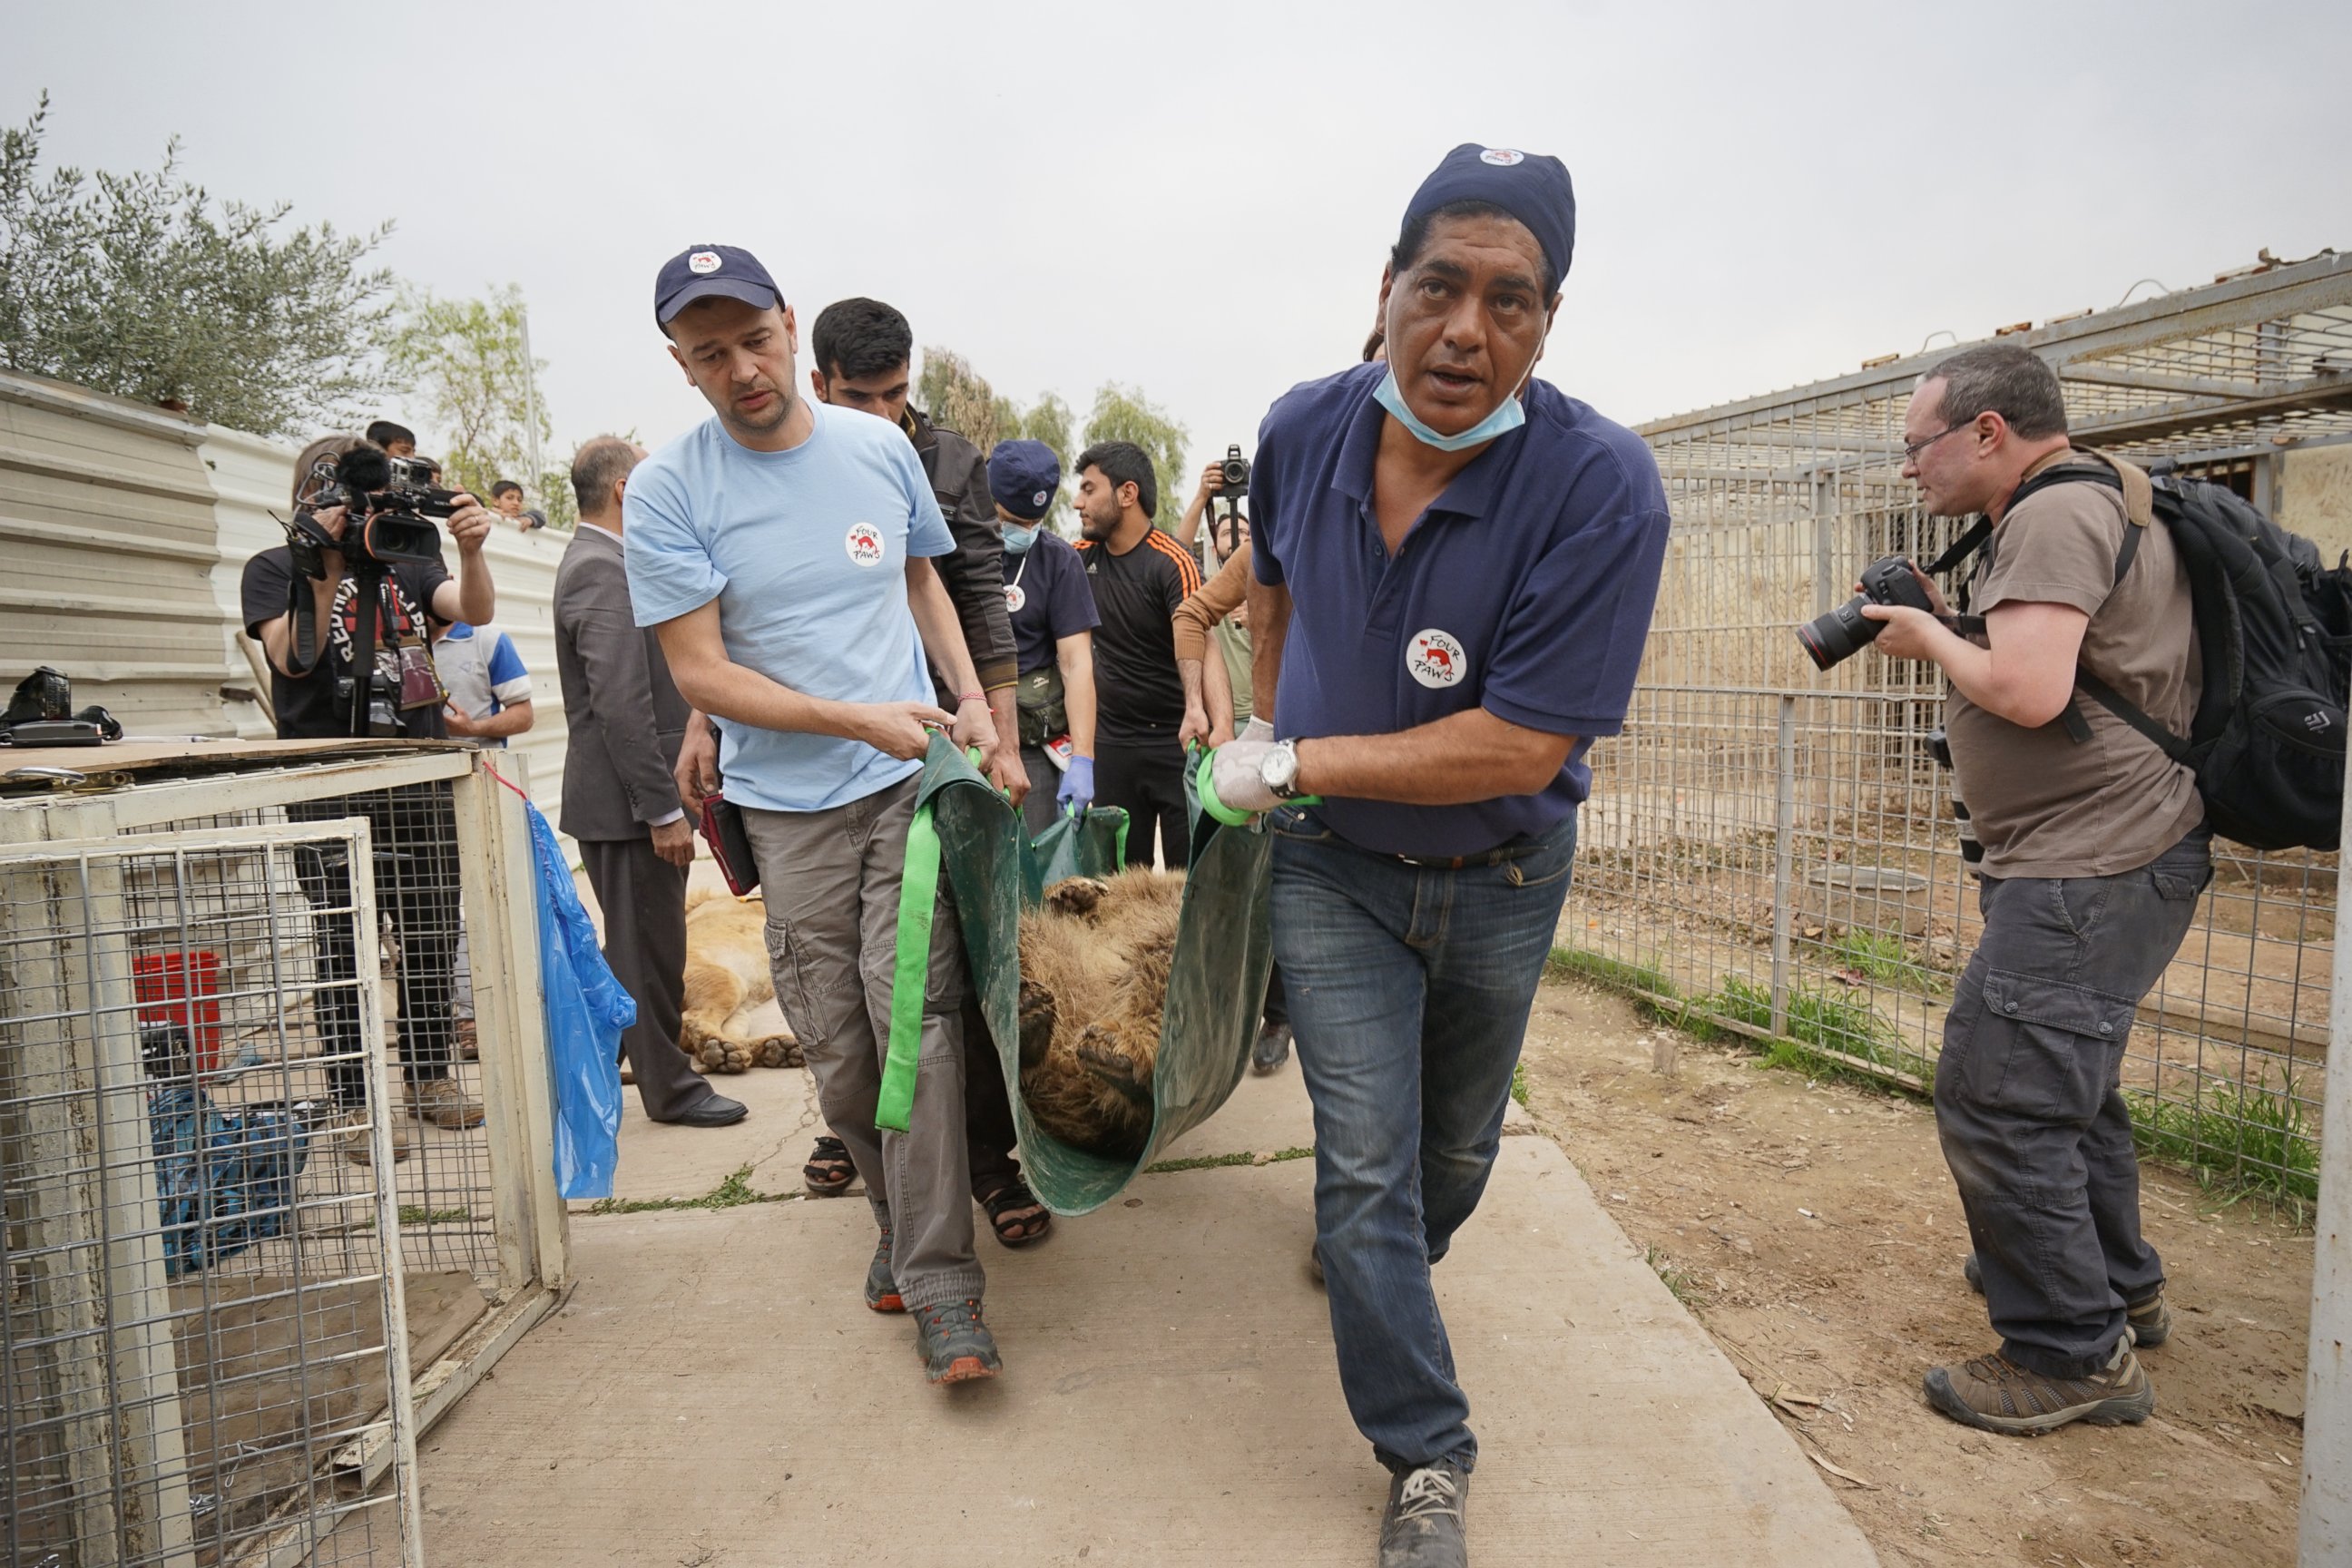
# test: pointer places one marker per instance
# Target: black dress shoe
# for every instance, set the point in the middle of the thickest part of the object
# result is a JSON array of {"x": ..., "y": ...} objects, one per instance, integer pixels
[{"x": 717, "y": 1111}]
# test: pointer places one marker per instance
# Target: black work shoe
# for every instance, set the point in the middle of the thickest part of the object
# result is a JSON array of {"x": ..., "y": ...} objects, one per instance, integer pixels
[
  {"x": 1315, "y": 1266},
  {"x": 881, "y": 1286},
  {"x": 955, "y": 1345},
  {"x": 1423, "y": 1528},
  {"x": 711, "y": 1110},
  {"x": 2149, "y": 1323},
  {"x": 1272, "y": 1048},
  {"x": 1996, "y": 1394}
]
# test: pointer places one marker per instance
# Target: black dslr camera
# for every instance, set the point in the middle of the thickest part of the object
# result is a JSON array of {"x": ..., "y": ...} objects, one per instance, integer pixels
[
  {"x": 387, "y": 502},
  {"x": 1237, "y": 470},
  {"x": 1838, "y": 634}
]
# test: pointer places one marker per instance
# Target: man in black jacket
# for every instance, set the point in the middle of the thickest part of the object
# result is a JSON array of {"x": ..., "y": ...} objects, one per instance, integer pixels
[
  {"x": 619, "y": 800},
  {"x": 863, "y": 351}
]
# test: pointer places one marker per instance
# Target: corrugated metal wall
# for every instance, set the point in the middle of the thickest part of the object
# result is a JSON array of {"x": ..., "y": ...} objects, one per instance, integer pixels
[
  {"x": 107, "y": 546},
  {"x": 125, "y": 532}
]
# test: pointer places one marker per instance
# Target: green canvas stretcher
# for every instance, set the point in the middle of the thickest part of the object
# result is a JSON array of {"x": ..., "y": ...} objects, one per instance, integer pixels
[{"x": 1216, "y": 987}]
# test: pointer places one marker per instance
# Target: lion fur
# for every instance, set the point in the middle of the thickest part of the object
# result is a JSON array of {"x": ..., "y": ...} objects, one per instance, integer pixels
[
  {"x": 1094, "y": 960},
  {"x": 727, "y": 976}
]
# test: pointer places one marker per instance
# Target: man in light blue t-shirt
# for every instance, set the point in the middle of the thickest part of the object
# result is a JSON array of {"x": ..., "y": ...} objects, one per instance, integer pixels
[{"x": 782, "y": 551}]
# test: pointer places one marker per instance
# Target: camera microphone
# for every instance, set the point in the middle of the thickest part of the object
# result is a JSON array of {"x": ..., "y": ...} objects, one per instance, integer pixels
[{"x": 363, "y": 469}]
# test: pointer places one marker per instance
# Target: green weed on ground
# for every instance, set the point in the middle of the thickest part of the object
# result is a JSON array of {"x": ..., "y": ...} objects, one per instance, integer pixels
[
  {"x": 1519, "y": 1083},
  {"x": 2249, "y": 1137},
  {"x": 732, "y": 1192},
  {"x": 1683, "y": 1287},
  {"x": 1881, "y": 958},
  {"x": 1818, "y": 1021},
  {"x": 1219, "y": 1161}
]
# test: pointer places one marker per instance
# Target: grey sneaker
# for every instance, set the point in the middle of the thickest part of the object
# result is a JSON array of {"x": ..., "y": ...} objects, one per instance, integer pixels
[
  {"x": 955, "y": 1345},
  {"x": 881, "y": 1285},
  {"x": 1423, "y": 1528},
  {"x": 2149, "y": 1323}
]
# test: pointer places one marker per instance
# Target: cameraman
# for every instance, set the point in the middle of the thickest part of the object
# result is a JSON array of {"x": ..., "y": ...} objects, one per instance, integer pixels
[
  {"x": 2095, "y": 851},
  {"x": 413, "y": 830}
]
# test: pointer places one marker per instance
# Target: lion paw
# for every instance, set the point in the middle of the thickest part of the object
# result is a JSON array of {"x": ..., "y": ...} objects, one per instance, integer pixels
[
  {"x": 1100, "y": 1055},
  {"x": 1076, "y": 895},
  {"x": 777, "y": 1051}
]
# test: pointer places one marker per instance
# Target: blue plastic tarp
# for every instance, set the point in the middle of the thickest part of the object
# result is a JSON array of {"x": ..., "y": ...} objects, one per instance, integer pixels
[{"x": 587, "y": 1011}]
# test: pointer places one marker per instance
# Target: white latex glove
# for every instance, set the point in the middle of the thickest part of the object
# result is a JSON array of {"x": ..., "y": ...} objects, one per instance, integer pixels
[
  {"x": 1256, "y": 729},
  {"x": 1234, "y": 773}
]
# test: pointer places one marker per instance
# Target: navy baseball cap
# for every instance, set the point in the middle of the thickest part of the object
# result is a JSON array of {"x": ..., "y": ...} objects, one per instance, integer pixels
[
  {"x": 1022, "y": 476},
  {"x": 1533, "y": 187},
  {"x": 703, "y": 270}
]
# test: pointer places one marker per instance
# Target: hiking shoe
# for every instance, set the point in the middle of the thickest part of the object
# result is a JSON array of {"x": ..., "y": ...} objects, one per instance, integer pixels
[
  {"x": 955, "y": 1345},
  {"x": 881, "y": 1286},
  {"x": 1999, "y": 1396},
  {"x": 2149, "y": 1324},
  {"x": 440, "y": 1101},
  {"x": 1423, "y": 1528},
  {"x": 1315, "y": 1266},
  {"x": 1272, "y": 1048},
  {"x": 351, "y": 1130}
]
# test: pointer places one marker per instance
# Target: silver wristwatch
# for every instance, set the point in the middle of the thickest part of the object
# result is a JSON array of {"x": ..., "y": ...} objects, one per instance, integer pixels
[{"x": 1279, "y": 771}]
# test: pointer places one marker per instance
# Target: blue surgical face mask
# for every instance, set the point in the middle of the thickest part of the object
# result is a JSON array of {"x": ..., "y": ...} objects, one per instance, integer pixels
[
  {"x": 1508, "y": 417},
  {"x": 1017, "y": 541}
]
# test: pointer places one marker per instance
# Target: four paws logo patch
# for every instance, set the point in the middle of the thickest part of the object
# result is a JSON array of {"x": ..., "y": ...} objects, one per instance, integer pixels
[
  {"x": 865, "y": 544},
  {"x": 1436, "y": 658}
]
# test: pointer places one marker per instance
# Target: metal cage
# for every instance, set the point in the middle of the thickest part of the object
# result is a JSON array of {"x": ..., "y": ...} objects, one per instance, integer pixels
[
  {"x": 1771, "y": 848},
  {"x": 229, "y": 997}
]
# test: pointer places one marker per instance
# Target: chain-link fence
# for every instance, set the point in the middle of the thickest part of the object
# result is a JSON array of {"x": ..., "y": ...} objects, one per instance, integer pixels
[{"x": 1771, "y": 850}]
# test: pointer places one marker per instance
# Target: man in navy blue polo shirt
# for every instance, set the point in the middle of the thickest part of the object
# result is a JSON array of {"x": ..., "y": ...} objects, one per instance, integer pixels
[{"x": 1455, "y": 570}]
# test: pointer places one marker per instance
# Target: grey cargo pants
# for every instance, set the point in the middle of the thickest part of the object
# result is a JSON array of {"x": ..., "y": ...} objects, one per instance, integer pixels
[
  {"x": 2029, "y": 1107},
  {"x": 831, "y": 882}
]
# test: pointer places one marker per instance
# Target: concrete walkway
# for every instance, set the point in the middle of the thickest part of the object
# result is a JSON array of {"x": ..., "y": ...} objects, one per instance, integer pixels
[{"x": 715, "y": 1396}]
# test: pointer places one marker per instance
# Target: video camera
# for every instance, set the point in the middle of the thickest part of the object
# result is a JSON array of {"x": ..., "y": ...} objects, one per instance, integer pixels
[{"x": 387, "y": 502}]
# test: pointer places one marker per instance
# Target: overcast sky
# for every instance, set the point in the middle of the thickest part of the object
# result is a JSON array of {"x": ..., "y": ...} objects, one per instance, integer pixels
[{"x": 1196, "y": 199}]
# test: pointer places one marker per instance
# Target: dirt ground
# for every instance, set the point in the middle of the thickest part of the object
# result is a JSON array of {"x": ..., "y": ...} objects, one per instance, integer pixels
[{"x": 1812, "y": 1229}]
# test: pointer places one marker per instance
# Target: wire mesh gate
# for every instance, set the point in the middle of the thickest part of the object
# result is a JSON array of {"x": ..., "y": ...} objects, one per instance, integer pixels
[
  {"x": 1772, "y": 849},
  {"x": 251, "y": 1174}
]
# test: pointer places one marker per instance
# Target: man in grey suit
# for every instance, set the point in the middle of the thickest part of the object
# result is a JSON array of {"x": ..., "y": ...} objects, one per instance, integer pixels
[{"x": 620, "y": 800}]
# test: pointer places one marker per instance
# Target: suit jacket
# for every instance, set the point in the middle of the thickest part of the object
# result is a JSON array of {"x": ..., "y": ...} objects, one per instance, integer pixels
[{"x": 625, "y": 714}]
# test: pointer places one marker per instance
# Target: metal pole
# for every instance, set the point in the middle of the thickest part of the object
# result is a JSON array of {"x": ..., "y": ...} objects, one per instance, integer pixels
[
  {"x": 2327, "y": 1377},
  {"x": 529, "y": 400},
  {"x": 1784, "y": 865}
]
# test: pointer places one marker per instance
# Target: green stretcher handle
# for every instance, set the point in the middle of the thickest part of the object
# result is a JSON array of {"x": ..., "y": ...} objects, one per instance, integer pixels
[
  {"x": 910, "y": 973},
  {"x": 1218, "y": 809}
]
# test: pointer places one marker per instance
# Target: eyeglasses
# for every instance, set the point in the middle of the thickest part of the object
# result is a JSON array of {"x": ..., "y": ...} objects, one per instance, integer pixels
[{"x": 1911, "y": 450}]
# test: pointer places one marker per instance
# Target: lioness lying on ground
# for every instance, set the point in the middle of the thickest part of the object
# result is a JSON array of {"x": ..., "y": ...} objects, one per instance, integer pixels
[
  {"x": 1094, "y": 981},
  {"x": 727, "y": 975}
]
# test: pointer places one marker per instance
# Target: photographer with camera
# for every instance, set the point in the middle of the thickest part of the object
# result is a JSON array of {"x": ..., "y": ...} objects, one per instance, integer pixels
[
  {"x": 1225, "y": 479},
  {"x": 2094, "y": 850},
  {"x": 341, "y": 610}
]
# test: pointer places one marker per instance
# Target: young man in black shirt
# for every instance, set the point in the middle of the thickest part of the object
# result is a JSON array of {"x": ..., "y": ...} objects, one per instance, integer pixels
[
  {"x": 1138, "y": 574},
  {"x": 412, "y": 830}
]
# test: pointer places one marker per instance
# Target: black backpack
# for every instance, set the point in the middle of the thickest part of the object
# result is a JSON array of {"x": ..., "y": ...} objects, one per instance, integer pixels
[{"x": 2274, "y": 640}]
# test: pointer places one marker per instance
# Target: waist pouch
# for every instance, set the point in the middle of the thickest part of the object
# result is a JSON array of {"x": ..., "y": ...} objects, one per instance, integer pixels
[{"x": 1038, "y": 700}]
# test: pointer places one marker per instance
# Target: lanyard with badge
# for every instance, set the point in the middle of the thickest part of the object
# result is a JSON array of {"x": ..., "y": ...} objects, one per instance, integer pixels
[{"x": 1015, "y": 597}]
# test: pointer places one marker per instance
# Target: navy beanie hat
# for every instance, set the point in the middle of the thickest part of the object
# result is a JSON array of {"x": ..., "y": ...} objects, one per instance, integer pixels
[{"x": 1533, "y": 187}]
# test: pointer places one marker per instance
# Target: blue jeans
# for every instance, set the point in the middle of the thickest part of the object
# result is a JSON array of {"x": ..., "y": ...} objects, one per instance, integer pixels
[{"x": 1409, "y": 988}]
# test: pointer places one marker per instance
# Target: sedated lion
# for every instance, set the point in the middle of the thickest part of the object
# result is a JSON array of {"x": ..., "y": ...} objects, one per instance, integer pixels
[
  {"x": 727, "y": 975},
  {"x": 1094, "y": 981}
]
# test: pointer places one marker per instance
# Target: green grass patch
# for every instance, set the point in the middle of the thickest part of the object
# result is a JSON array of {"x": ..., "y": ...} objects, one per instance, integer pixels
[
  {"x": 733, "y": 1193},
  {"x": 1679, "y": 1283},
  {"x": 1616, "y": 974},
  {"x": 2249, "y": 1138},
  {"x": 1881, "y": 958},
  {"x": 1219, "y": 1161},
  {"x": 413, "y": 1214},
  {"x": 1519, "y": 1083}
]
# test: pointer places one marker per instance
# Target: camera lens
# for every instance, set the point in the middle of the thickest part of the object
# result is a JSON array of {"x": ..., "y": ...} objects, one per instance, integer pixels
[{"x": 1836, "y": 636}]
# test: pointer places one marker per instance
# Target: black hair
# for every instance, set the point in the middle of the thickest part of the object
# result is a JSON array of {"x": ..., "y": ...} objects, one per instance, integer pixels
[
  {"x": 2001, "y": 378},
  {"x": 383, "y": 433},
  {"x": 1123, "y": 463},
  {"x": 861, "y": 337},
  {"x": 1413, "y": 238},
  {"x": 502, "y": 487},
  {"x": 600, "y": 462}
]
